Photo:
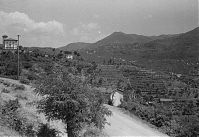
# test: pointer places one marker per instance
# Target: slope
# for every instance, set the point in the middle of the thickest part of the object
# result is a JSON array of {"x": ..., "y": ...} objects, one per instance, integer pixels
[
  {"x": 168, "y": 53},
  {"x": 75, "y": 46}
]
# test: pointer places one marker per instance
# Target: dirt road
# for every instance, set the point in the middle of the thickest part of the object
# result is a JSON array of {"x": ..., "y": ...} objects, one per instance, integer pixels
[{"x": 124, "y": 125}]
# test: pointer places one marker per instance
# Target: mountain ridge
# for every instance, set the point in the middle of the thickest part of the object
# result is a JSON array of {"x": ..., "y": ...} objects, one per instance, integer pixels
[
  {"x": 115, "y": 37},
  {"x": 171, "y": 52}
]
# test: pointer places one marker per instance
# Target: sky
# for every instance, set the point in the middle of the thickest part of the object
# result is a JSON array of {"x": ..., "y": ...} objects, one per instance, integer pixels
[{"x": 56, "y": 23}]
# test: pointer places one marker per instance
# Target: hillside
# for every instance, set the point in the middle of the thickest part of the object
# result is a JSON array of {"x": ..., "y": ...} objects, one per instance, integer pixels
[
  {"x": 176, "y": 53},
  {"x": 184, "y": 46},
  {"x": 120, "y": 37},
  {"x": 114, "y": 38},
  {"x": 75, "y": 46}
]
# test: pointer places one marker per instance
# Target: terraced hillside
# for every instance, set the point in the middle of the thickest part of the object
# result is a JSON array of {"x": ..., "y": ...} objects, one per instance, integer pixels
[
  {"x": 111, "y": 75},
  {"x": 175, "y": 53},
  {"x": 146, "y": 82}
]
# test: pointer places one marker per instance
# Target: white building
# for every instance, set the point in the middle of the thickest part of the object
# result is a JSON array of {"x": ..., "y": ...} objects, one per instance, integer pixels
[
  {"x": 69, "y": 56},
  {"x": 10, "y": 44}
]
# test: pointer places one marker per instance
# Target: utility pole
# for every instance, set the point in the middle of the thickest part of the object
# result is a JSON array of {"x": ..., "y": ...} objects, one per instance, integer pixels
[{"x": 18, "y": 57}]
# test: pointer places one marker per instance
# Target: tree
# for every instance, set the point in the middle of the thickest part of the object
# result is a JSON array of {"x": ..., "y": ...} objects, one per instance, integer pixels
[{"x": 66, "y": 98}]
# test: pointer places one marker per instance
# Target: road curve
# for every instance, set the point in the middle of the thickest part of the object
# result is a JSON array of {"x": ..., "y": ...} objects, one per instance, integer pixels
[{"x": 123, "y": 125}]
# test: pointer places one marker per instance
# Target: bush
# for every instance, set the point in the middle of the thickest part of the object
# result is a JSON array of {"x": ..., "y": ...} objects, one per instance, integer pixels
[
  {"x": 10, "y": 117},
  {"x": 5, "y": 91},
  {"x": 93, "y": 132},
  {"x": 24, "y": 80},
  {"x": 20, "y": 87},
  {"x": 32, "y": 76},
  {"x": 27, "y": 65},
  {"x": 7, "y": 84},
  {"x": 46, "y": 131},
  {"x": 19, "y": 96}
]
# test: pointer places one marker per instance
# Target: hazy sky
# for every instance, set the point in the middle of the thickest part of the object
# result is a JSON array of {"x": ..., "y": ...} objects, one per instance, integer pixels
[{"x": 58, "y": 22}]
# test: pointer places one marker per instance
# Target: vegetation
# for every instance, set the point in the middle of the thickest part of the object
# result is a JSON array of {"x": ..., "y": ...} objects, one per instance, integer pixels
[
  {"x": 46, "y": 131},
  {"x": 10, "y": 117},
  {"x": 19, "y": 87},
  {"x": 177, "y": 117},
  {"x": 68, "y": 87},
  {"x": 68, "y": 98}
]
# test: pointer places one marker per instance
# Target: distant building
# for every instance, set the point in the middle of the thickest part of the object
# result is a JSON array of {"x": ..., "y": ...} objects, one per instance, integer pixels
[
  {"x": 69, "y": 56},
  {"x": 9, "y": 43}
]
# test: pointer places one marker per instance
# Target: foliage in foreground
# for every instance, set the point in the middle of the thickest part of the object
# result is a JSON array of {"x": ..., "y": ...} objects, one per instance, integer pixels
[
  {"x": 46, "y": 131},
  {"x": 66, "y": 97},
  {"x": 10, "y": 117}
]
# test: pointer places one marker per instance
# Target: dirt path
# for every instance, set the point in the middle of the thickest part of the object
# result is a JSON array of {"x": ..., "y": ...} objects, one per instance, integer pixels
[{"x": 124, "y": 125}]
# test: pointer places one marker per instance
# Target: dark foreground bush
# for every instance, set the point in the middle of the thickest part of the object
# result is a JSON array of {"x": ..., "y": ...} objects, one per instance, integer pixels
[
  {"x": 5, "y": 91},
  {"x": 20, "y": 87},
  {"x": 46, "y": 131},
  {"x": 24, "y": 80},
  {"x": 10, "y": 117}
]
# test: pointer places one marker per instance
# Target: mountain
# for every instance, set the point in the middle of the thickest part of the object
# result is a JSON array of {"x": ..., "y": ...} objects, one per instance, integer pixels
[
  {"x": 176, "y": 53},
  {"x": 120, "y": 37},
  {"x": 183, "y": 46},
  {"x": 75, "y": 46},
  {"x": 114, "y": 38}
]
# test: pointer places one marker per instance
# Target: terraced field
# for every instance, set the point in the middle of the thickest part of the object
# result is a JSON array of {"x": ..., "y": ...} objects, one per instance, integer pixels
[{"x": 111, "y": 75}]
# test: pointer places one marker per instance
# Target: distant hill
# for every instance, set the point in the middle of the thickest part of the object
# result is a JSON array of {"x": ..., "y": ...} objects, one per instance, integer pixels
[
  {"x": 120, "y": 37},
  {"x": 183, "y": 46},
  {"x": 114, "y": 38},
  {"x": 75, "y": 46},
  {"x": 165, "y": 52}
]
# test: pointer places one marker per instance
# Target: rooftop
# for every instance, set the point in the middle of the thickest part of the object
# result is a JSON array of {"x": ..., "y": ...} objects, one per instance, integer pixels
[{"x": 10, "y": 39}]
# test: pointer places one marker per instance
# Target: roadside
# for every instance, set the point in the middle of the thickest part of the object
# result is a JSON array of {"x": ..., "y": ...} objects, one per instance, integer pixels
[{"x": 122, "y": 124}]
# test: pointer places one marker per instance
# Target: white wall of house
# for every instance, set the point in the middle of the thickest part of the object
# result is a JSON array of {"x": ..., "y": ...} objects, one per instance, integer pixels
[
  {"x": 69, "y": 56},
  {"x": 10, "y": 44}
]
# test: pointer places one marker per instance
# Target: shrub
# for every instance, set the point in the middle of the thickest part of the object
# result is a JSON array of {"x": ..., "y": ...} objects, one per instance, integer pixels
[
  {"x": 30, "y": 131},
  {"x": 10, "y": 117},
  {"x": 5, "y": 91},
  {"x": 20, "y": 87},
  {"x": 93, "y": 132},
  {"x": 27, "y": 65},
  {"x": 24, "y": 80},
  {"x": 46, "y": 131},
  {"x": 19, "y": 96},
  {"x": 32, "y": 76},
  {"x": 7, "y": 84}
]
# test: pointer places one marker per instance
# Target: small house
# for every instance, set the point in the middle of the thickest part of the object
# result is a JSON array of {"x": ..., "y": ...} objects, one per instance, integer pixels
[
  {"x": 9, "y": 43},
  {"x": 69, "y": 56}
]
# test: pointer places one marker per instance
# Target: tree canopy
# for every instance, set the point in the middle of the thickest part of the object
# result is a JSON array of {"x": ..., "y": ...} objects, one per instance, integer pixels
[{"x": 66, "y": 98}]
